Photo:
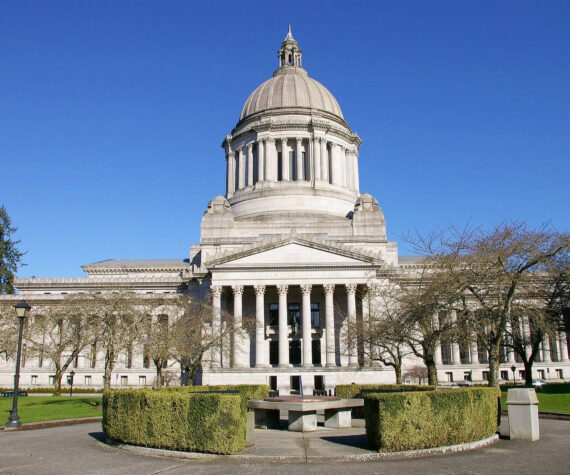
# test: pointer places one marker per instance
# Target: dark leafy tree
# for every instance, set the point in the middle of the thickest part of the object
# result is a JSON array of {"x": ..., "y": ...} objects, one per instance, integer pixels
[{"x": 10, "y": 256}]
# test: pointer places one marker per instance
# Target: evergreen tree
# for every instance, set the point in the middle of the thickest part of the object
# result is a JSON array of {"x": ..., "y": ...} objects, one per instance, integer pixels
[{"x": 10, "y": 256}]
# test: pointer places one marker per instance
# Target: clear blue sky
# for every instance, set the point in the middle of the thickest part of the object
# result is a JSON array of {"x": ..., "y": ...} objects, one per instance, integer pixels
[{"x": 112, "y": 113}]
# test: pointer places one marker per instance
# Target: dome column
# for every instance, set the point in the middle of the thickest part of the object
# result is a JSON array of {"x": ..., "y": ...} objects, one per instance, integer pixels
[
  {"x": 299, "y": 157},
  {"x": 355, "y": 170},
  {"x": 317, "y": 158},
  {"x": 285, "y": 171},
  {"x": 250, "y": 164},
  {"x": 260, "y": 159},
  {"x": 324, "y": 160},
  {"x": 270, "y": 159},
  {"x": 336, "y": 165},
  {"x": 231, "y": 174},
  {"x": 241, "y": 168}
]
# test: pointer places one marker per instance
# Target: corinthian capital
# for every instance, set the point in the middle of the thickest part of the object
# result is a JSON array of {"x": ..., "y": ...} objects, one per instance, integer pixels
[{"x": 282, "y": 289}]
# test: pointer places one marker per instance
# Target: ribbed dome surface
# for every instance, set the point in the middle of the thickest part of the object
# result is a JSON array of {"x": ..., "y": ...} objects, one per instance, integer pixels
[{"x": 291, "y": 88}]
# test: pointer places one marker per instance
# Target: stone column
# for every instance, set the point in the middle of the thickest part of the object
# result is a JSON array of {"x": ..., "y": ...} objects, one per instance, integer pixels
[
  {"x": 283, "y": 328},
  {"x": 563, "y": 347},
  {"x": 260, "y": 360},
  {"x": 546, "y": 349},
  {"x": 329, "y": 324},
  {"x": 260, "y": 159},
  {"x": 285, "y": 170},
  {"x": 455, "y": 353},
  {"x": 216, "y": 323},
  {"x": 238, "y": 349},
  {"x": 526, "y": 337},
  {"x": 231, "y": 179},
  {"x": 356, "y": 176},
  {"x": 437, "y": 354},
  {"x": 270, "y": 159},
  {"x": 306, "y": 322},
  {"x": 352, "y": 342},
  {"x": 348, "y": 168},
  {"x": 324, "y": 161},
  {"x": 299, "y": 157},
  {"x": 369, "y": 360},
  {"x": 474, "y": 350},
  {"x": 317, "y": 158},
  {"x": 509, "y": 336},
  {"x": 241, "y": 169},
  {"x": 250, "y": 164}
]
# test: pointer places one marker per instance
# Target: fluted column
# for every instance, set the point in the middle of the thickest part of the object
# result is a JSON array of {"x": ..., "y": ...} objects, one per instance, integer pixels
[
  {"x": 324, "y": 161},
  {"x": 474, "y": 350},
  {"x": 351, "y": 307},
  {"x": 329, "y": 324},
  {"x": 260, "y": 360},
  {"x": 250, "y": 164},
  {"x": 260, "y": 160},
  {"x": 563, "y": 346},
  {"x": 306, "y": 324},
  {"x": 546, "y": 349},
  {"x": 238, "y": 349},
  {"x": 216, "y": 323},
  {"x": 241, "y": 169},
  {"x": 283, "y": 329},
  {"x": 437, "y": 352},
  {"x": 366, "y": 323},
  {"x": 455, "y": 353},
  {"x": 285, "y": 169},
  {"x": 299, "y": 158},
  {"x": 270, "y": 159},
  {"x": 526, "y": 337},
  {"x": 317, "y": 158},
  {"x": 348, "y": 167},
  {"x": 355, "y": 170},
  {"x": 231, "y": 178}
]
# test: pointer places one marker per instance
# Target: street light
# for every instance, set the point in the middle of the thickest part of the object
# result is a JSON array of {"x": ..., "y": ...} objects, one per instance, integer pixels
[
  {"x": 22, "y": 309},
  {"x": 513, "y": 369},
  {"x": 71, "y": 374}
]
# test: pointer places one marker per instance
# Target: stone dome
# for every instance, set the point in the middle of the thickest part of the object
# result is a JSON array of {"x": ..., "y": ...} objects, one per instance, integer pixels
[{"x": 291, "y": 87}]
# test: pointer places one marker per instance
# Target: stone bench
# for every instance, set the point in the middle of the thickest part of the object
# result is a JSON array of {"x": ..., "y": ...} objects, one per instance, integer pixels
[{"x": 303, "y": 414}]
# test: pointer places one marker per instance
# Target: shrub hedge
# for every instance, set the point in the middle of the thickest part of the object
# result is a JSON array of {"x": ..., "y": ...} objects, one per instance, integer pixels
[
  {"x": 425, "y": 419},
  {"x": 348, "y": 391},
  {"x": 175, "y": 419},
  {"x": 246, "y": 391}
]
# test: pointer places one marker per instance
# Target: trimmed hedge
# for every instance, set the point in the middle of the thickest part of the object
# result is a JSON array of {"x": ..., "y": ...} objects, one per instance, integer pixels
[
  {"x": 420, "y": 420},
  {"x": 246, "y": 391},
  {"x": 349, "y": 391},
  {"x": 175, "y": 420}
]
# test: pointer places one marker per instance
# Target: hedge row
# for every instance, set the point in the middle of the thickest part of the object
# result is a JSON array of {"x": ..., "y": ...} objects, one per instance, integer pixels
[
  {"x": 349, "y": 391},
  {"x": 175, "y": 420},
  {"x": 49, "y": 390},
  {"x": 419, "y": 420},
  {"x": 246, "y": 391}
]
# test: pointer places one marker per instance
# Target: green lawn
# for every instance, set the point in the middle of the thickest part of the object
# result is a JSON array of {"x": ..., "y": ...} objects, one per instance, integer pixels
[
  {"x": 551, "y": 398},
  {"x": 50, "y": 408}
]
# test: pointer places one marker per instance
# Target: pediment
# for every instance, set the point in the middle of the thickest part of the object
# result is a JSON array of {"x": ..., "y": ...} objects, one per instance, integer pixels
[{"x": 295, "y": 253}]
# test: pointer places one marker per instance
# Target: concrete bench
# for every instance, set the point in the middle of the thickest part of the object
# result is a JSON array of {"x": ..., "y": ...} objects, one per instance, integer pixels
[{"x": 303, "y": 414}]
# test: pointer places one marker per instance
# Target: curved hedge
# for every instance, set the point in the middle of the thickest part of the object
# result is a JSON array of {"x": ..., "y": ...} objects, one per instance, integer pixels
[
  {"x": 175, "y": 419},
  {"x": 348, "y": 391},
  {"x": 419, "y": 420},
  {"x": 246, "y": 391}
]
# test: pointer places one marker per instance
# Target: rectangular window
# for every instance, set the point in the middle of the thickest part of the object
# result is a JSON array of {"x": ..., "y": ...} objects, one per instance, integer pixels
[
  {"x": 467, "y": 376},
  {"x": 315, "y": 315},
  {"x": 51, "y": 379},
  {"x": 294, "y": 315},
  {"x": 142, "y": 380},
  {"x": 273, "y": 383},
  {"x": 540, "y": 373},
  {"x": 449, "y": 377},
  {"x": 34, "y": 380},
  {"x": 464, "y": 354},
  {"x": 445, "y": 352},
  {"x": 319, "y": 383},
  {"x": 522, "y": 374},
  {"x": 255, "y": 161},
  {"x": 273, "y": 314},
  {"x": 316, "y": 350},
  {"x": 505, "y": 375},
  {"x": 307, "y": 166},
  {"x": 124, "y": 380},
  {"x": 295, "y": 352},
  {"x": 41, "y": 359},
  {"x": 87, "y": 380},
  {"x": 273, "y": 352},
  {"x": 76, "y": 361},
  {"x": 485, "y": 375},
  {"x": 559, "y": 374},
  {"x": 279, "y": 167},
  {"x": 295, "y": 384},
  {"x": 292, "y": 166}
]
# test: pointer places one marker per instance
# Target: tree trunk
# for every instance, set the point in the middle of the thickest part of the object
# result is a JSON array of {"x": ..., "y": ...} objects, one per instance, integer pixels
[
  {"x": 398, "y": 371},
  {"x": 57, "y": 383},
  {"x": 432, "y": 373},
  {"x": 109, "y": 364},
  {"x": 493, "y": 371},
  {"x": 528, "y": 372},
  {"x": 158, "y": 374}
]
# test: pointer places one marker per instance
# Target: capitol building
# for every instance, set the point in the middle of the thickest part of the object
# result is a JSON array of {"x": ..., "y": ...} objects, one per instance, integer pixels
[{"x": 291, "y": 242}]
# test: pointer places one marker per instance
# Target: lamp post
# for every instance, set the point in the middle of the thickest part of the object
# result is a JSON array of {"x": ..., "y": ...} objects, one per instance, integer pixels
[
  {"x": 22, "y": 309},
  {"x": 72, "y": 375},
  {"x": 513, "y": 369}
]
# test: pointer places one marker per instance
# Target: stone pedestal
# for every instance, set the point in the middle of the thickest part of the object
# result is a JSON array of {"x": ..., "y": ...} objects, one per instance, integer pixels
[
  {"x": 302, "y": 421},
  {"x": 338, "y": 419},
  {"x": 523, "y": 414}
]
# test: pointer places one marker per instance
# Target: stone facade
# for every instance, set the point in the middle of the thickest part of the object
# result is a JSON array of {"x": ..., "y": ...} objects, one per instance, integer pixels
[{"x": 292, "y": 243}]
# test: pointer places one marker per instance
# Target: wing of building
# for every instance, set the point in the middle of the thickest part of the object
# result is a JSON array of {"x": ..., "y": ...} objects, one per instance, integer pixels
[{"x": 291, "y": 242}]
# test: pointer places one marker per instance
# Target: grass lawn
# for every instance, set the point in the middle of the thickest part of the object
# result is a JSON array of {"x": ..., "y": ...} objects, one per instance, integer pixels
[
  {"x": 551, "y": 398},
  {"x": 50, "y": 408}
]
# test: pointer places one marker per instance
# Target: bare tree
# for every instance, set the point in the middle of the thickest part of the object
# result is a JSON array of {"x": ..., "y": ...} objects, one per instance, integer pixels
[
  {"x": 8, "y": 331},
  {"x": 59, "y": 333},
  {"x": 418, "y": 373}
]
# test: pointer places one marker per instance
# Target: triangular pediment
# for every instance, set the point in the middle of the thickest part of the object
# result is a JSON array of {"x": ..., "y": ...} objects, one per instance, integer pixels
[{"x": 295, "y": 252}]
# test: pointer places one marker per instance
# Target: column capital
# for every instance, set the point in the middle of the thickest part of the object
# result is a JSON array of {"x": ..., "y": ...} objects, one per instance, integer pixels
[
  {"x": 259, "y": 289},
  {"x": 306, "y": 288},
  {"x": 237, "y": 289},
  {"x": 299, "y": 140},
  {"x": 249, "y": 146},
  {"x": 350, "y": 288},
  {"x": 329, "y": 288},
  {"x": 216, "y": 290},
  {"x": 230, "y": 154},
  {"x": 284, "y": 140},
  {"x": 282, "y": 289},
  {"x": 269, "y": 139}
]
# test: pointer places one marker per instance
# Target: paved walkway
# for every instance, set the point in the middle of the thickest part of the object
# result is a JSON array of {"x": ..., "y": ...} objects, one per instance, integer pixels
[{"x": 79, "y": 449}]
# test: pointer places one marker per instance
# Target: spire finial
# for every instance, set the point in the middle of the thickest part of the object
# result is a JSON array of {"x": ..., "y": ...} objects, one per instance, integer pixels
[
  {"x": 290, "y": 54},
  {"x": 289, "y": 35}
]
